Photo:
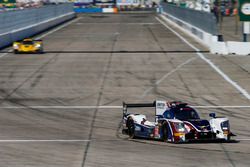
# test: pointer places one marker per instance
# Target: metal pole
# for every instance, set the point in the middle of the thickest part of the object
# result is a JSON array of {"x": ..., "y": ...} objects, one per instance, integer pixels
[
  {"x": 246, "y": 30},
  {"x": 244, "y": 37},
  {"x": 236, "y": 15},
  {"x": 220, "y": 36},
  {"x": 220, "y": 16}
]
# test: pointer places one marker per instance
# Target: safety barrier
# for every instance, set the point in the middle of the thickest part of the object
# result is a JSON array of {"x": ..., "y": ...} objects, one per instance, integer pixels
[
  {"x": 205, "y": 31},
  {"x": 16, "y": 25},
  {"x": 193, "y": 17},
  {"x": 205, "y": 37}
]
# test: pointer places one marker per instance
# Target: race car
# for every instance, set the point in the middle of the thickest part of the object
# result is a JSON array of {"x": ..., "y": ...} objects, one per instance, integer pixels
[
  {"x": 175, "y": 122},
  {"x": 28, "y": 45}
]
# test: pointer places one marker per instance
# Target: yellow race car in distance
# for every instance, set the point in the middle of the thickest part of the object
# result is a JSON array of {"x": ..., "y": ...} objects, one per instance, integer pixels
[{"x": 28, "y": 45}]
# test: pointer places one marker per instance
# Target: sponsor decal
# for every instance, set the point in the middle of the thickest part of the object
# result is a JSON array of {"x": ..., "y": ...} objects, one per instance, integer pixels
[
  {"x": 245, "y": 9},
  {"x": 160, "y": 105}
]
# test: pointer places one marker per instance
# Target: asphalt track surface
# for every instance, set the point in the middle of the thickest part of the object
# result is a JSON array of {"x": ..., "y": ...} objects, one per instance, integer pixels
[{"x": 49, "y": 114}]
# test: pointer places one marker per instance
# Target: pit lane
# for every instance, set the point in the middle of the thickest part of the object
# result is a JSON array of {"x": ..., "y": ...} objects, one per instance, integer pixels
[{"x": 55, "y": 134}]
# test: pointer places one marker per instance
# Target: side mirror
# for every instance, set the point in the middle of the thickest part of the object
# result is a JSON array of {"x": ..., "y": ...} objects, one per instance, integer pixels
[{"x": 213, "y": 115}]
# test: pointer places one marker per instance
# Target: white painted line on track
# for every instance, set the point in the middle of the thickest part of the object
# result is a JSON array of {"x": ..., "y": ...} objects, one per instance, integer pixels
[
  {"x": 46, "y": 34},
  {"x": 221, "y": 106},
  {"x": 208, "y": 61},
  {"x": 4, "y": 54},
  {"x": 118, "y": 23},
  {"x": 166, "y": 75},
  {"x": 29, "y": 141},
  {"x": 68, "y": 141},
  {"x": 243, "y": 139},
  {"x": 101, "y": 107},
  {"x": 62, "y": 107}
]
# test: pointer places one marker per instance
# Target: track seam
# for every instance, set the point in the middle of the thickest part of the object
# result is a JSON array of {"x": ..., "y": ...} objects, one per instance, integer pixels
[
  {"x": 28, "y": 78},
  {"x": 98, "y": 103},
  {"x": 237, "y": 65},
  {"x": 45, "y": 64},
  {"x": 107, "y": 107},
  {"x": 169, "y": 73},
  {"x": 227, "y": 155}
]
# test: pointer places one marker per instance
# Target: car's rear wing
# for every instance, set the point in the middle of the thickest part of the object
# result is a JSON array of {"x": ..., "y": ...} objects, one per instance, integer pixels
[
  {"x": 160, "y": 107},
  {"x": 135, "y": 105}
]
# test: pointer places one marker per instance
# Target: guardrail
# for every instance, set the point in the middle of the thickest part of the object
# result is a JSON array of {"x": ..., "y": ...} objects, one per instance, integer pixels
[{"x": 16, "y": 25}]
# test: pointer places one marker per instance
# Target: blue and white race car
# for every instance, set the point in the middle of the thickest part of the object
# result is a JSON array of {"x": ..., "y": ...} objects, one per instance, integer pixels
[{"x": 174, "y": 122}]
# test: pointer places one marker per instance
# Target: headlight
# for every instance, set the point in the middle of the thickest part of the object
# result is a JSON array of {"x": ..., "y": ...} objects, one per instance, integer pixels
[
  {"x": 225, "y": 125},
  {"x": 179, "y": 126},
  {"x": 37, "y": 45},
  {"x": 188, "y": 127},
  {"x": 15, "y": 46}
]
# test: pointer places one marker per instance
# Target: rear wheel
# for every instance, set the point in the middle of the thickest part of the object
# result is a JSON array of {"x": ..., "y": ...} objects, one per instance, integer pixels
[
  {"x": 40, "y": 51},
  {"x": 131, "y": 128}
]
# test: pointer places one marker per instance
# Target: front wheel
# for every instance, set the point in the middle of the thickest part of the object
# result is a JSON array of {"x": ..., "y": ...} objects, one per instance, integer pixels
[
  {"x": 16, "y": 51},
  {"x": 40, "y": 51},
  {"x": 165, "y": 132},
  {"x": 131, "y": 128}
]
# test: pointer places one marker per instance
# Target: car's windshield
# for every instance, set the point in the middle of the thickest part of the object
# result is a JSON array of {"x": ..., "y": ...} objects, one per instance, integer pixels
[
  {"x": 186, "y": 113},
  {"x": 28, "y": 42}
]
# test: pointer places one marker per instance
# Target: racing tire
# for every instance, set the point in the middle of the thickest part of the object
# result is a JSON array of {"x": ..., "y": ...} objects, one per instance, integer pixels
[
  {"x": 165, "y": 132},
  {"x": 131, "y": 128},
  {"x": 16, "y": 52},
  {"x": 40, "y": 51},
  {"x": 228, "y": 138}
]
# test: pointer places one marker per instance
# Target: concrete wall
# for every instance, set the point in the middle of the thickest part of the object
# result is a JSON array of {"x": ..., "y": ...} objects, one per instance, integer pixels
[
  {"x": 206, "y": 36},
  {"x": 200, "y": 35},
  {"x": 16, "y": 25},
  {"x": 203, "y": 20}
]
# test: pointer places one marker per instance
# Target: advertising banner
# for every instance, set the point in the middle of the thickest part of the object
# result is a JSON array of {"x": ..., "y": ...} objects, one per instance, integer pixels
[
  {"x": 244, "y": 10},
  {"x": 127, "y": 2},
  {"x": 104, "y": 2}
]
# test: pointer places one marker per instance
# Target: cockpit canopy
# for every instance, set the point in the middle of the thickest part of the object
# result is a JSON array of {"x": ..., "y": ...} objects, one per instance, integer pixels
[
  {"x": 185, "y": 113},
  {"x": 28, "y": 41}
]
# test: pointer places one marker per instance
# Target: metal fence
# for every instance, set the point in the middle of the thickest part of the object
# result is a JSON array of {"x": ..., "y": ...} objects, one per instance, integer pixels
[
  {"x": 14, "y": 20},
  {"x": 203, "y": 20}
]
